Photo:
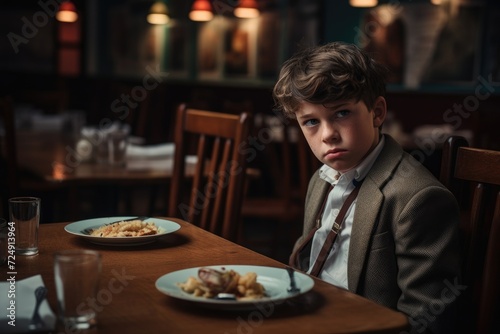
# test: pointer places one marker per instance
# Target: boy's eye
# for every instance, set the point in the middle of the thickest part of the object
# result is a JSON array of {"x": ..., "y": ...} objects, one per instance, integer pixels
[
  {"x": 342, "y": 113},
  {"x": 311, "y": 122}
]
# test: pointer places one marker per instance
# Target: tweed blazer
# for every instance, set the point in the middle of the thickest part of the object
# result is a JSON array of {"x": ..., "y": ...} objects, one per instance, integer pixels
[{"x": 404, "y": 249}]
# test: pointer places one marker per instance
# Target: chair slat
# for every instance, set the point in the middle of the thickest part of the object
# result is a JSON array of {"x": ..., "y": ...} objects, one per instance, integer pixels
[
  {"x": 210, "y": 195},
  {"x": 194, "y": 206},
  {"x": 491, "y": 275},
  {"x": 220, "y": 179},
  {"x": 473, "y": 262}
]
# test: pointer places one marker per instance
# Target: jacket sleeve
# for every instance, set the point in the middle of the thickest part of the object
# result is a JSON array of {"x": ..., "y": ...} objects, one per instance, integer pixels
[{"x": 427, "y": 253}]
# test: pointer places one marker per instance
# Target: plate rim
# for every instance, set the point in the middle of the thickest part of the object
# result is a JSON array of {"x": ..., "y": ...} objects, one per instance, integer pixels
[
  {"x": 140, "y": 240},
  {"x": 308, "y": 284}
]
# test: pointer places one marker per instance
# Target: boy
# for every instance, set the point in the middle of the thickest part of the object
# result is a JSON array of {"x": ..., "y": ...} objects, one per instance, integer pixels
[{"x": 396, "y": 226}]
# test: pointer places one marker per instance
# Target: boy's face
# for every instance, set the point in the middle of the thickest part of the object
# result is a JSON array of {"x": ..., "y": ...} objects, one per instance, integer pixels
[{"x": 342, "y": 134}]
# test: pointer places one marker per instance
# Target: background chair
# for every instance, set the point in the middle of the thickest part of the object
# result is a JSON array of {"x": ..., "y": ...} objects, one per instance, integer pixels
[
  {"x": 216, "y": 188},
  {"x": 473, "y": 175},
  {"x": 279, "y": 203}
]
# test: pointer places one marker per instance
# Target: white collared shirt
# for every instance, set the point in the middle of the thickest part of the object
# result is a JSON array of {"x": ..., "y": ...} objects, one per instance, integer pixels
[{"x": 335, "y": 267}]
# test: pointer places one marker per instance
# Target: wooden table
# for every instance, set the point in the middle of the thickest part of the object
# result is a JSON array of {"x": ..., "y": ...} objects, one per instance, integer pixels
[{"x": 140, "y": 308}]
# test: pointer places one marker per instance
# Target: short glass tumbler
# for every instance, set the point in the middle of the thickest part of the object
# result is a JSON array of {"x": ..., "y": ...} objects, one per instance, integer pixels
[{"x": 76, "y": 274}]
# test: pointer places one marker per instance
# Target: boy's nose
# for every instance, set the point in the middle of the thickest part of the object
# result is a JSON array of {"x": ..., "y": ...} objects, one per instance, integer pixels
[{"x": 329, "y": 133}]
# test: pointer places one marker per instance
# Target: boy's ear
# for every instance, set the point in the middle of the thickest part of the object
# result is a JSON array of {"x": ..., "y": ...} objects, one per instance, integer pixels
[{"x": 379, "y": 111}]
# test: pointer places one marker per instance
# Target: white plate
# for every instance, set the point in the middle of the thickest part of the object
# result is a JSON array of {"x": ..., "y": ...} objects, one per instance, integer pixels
[
  {"x": 275, "y": 281},
  {"x": 78, "y": 228}
]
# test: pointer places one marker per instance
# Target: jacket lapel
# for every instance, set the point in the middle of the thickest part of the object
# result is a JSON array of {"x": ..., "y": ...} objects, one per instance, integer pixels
[
  {"x": 368, "y": 205},
  {"x": 365, "y": 217},
  {"x": 317, "y": 197}
]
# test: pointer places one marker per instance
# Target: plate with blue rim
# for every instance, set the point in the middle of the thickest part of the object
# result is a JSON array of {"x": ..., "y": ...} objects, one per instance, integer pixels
[
  {"x": 276, "y": 282},
  {"x": 82, "y": 228}
]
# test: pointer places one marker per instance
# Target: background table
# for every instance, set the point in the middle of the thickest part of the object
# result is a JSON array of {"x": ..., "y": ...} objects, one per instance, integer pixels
[{"x": 52, "y": 157}]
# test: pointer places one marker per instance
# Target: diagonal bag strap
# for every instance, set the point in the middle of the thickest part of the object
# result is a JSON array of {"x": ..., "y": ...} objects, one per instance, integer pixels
[
  {"x": 294, "y": 258},
  {"x": 332, "y": 235}
]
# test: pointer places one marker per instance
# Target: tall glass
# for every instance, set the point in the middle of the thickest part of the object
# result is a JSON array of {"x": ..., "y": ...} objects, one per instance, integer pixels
[
  {"x": 25, "y": 214},
  {"x": 117, "y": 147}
]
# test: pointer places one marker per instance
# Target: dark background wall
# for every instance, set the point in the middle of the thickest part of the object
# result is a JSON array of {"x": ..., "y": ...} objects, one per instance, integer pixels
[{"x": 115, "y": 32}]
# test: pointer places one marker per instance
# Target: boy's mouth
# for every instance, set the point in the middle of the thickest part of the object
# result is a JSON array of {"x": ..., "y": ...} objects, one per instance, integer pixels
[{"x": 334, "y": 153}]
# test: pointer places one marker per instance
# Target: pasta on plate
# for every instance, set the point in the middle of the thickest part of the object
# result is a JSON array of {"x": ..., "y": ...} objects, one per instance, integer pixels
[
  {"x": 133, "y": 228},
  {"x": 211, "y": 282}
]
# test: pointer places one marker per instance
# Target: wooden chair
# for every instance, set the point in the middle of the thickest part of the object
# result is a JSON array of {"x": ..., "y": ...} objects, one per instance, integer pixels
[
  {"x": 473, "y": 175},
  {"x": 290, "y": 165},
  {"x": 217, "y": 186}
]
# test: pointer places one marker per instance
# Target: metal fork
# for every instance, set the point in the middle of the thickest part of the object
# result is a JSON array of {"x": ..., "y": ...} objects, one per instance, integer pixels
[
  {"x": 225, "y": 296},
  {"x": 293, "y": 286},
  {"x": 89, "y": 230},
  {"x": 36, "y": 320}
]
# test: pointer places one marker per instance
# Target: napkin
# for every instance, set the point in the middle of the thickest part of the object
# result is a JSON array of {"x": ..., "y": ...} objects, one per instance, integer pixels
[
  {"x": 159, "y": 164},
  {"x": 150, "y": 164},
  {"x": 150, "y": 151},
  {"x": 47, "y": 122},
  {"x": 23, "y": 294}
]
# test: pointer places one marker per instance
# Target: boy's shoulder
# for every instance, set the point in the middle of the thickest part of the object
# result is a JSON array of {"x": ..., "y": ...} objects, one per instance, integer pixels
[{"x": 397, "y": 166}]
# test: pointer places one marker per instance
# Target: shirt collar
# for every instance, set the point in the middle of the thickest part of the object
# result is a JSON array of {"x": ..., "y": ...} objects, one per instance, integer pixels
[{"x": 332, "y": 176}]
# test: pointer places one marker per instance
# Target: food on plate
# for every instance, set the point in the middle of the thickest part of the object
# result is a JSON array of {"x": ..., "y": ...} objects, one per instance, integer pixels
[
  {"x": 211, "y": 282},
  {"x": 132, "y": 228}
]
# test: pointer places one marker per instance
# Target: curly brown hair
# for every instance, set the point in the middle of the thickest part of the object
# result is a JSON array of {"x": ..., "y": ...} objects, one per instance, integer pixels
[{"x": 324, "y": 74}]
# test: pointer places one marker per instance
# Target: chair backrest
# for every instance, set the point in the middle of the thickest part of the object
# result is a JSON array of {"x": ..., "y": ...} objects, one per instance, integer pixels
[
  {"x": 473, "y": 175},
  {"x": 217, "y": 186}
]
